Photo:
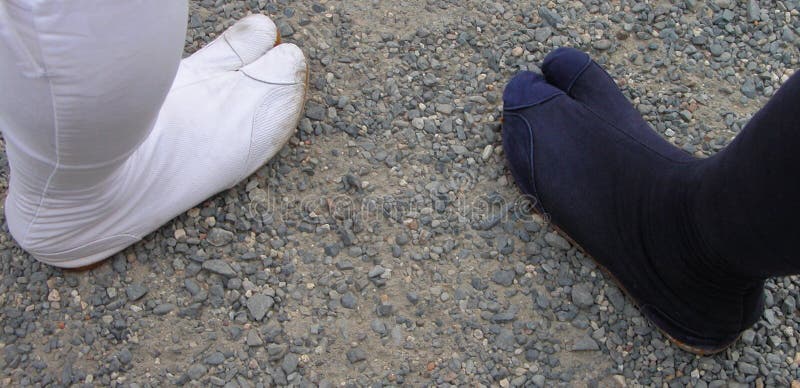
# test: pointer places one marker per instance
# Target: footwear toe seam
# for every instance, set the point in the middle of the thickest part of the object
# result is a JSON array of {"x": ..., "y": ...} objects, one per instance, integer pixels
[{"x": 578, "y": 75}]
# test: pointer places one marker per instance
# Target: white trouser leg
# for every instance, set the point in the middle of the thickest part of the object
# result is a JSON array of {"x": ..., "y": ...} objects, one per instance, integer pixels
[{"x": 102, "y": 150}]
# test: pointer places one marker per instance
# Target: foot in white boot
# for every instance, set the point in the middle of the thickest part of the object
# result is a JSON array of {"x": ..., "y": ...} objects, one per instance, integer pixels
[{"x": 233, "y": 106}]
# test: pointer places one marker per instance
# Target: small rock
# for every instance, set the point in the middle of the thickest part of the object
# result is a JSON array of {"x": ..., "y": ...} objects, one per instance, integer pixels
[
  {"x": 356, "y": 355},
  {"x": 749, "y": 88},
  {"x": 378, "y": 326},
  {"x": 196, "y": 371},
  {"x": 541, "y": 34},
  {"x": 289, "y": 364},
  {"x": 253, "y": 339},
  {"x": 215, "y": 358},
  {"x": 517, "y": 51},
  {"x": 315, "y": 111},
  {"x": 125, "y": 356},
  {"x": 602, "y": 44},
  {"x": 554, "y": 240},
  {"x": 219, "y": 237},
  {"x": 550, "y": 17},
  {"x": 135, "y": 291},
  {"x": 487, "y": 152},
  {"x": 747, "y": 368},
  {"x": 585, "y": 343},
  {"x": 344, "y": 265},
  {"x": 348, "y": 300},
  {"x": 54, "y": 296},
  {"x": 503, "y": 277},
  {"x": 258, "y": 305},
  {"x": 748, "y": 336},
  {"x": 753, "y": 11},
  {"x": 180, "y": 234},
  {"x": 582, "y": 295},
  {"x": 163, "y": 309},
  {"x": 376, "y": 271},
  {"x": 219, "y": 267}
]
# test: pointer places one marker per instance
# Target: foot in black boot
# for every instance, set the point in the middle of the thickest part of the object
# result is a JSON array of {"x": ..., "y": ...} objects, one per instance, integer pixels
[{"x": 626, "y": 196}]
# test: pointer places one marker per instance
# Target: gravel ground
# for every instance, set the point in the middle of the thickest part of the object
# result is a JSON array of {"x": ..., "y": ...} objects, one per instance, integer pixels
[{"x": 387, "y": 244}]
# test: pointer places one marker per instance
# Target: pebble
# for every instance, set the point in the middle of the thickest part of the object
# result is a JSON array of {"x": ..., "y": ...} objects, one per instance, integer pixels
[
  {"x": 253, "y": 339},
  {"x": 54, "y": 296},
  {"x": 376, "y": 271},
  {"x": 554, "y": 240},
  {"x": 602, "y": 44},
  {"x": 196, "y": 371},
  {"x": 219, "y": 267},
  {"x": 258, "y": 305},
  {"x": 356, "y": 355},
  {"x": 585, "y": 343},
  {"x": 378, "y": 326},
  {"x": 348, "y": 300},
  {"x": 582, "y": 295},
  {"x": 219, "y": 237},
  {"x": 135, "y": 291},
  {"x": 163, "y": 309},
  {"x": 215, "y": 358},
  {"x": 503, "y": 277},
  {"x": 289, "y": 364},
  {"x": 549, "y": 16}
]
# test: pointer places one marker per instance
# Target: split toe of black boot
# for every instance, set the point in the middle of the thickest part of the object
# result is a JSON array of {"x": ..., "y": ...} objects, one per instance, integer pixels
[{"x": 624, "y": 195}]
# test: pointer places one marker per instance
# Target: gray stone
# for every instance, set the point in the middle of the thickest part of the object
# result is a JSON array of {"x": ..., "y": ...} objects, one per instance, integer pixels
[
  {"x": 402, "y": 238},
  {"x": 315, "y": 111},
  {"x": 549, "y": 16},
  {"x": 344, "y": 265},
  {"x": 504, "y": 317},
  {"x": 348, "y": 300},
  {"x": 258, "y": 305},
  {"x": 378, "y": 326},
  {"x": 219, "y": 267},
  {"x": 542, "y": 34},
  {"x": 253, "y": 339},
  {"x": 135, "y": 291},
  {"x": 376, "y": 271},
  {"x": 582, "y": 295},
  {"x": 616, "y": 298},
  {"x": 749, "y": 88},
  {"x": 602, "y": 44},
  {"x": 503, "y": 277},
  {"x": 585, "y": 343},
  {"x": 163, "y": 309},
  {"x": 216, "y": 358},
  {"x": 444, "y": 108},
  {"x": 219, "y": 237},
  {"x": 196, "y": 371},
  {"x": 747, "y": 368},
  {"x": 289, "y": 364},
  {"x": 356, "y": 355},
  {"x": 753, "y": 11},
  {"x": 748, "y": 336},
  {"x": 459, "y": 149},
  {"x": 554, "y": 240},
  {"x": 125, "y": 356}
]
